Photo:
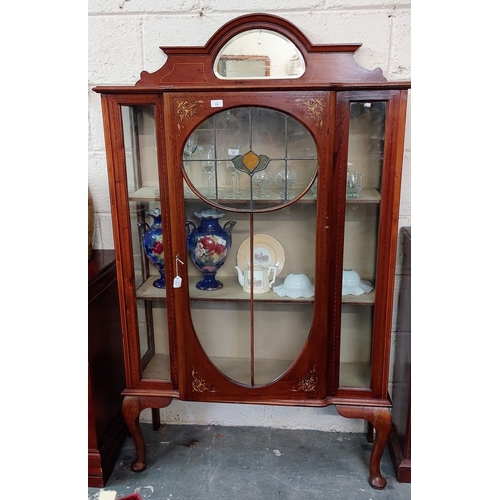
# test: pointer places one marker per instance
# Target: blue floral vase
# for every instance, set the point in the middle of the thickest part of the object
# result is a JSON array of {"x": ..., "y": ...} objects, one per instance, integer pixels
[
  {"x": 152, "y": 244},
  {"x": 209, "y": 245}
]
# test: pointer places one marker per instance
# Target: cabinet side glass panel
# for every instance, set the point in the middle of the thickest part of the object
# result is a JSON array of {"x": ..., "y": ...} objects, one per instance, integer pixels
[
  {"x": 249, "y": 162},
  {"x": 139, "y": 130},
  {"x": 363, "y": 186}
]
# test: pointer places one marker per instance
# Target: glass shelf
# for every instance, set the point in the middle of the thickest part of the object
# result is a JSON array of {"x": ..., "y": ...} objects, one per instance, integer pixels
[
  {"x": 145, "y": 193},
  {"x": 232, "y": 291},
  {"x": 368, "y": 195},
  {"x": 367, "y": 299}
]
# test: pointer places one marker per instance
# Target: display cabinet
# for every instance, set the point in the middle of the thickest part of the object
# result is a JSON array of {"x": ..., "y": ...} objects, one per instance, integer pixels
[{"x": 254, "y": 185}]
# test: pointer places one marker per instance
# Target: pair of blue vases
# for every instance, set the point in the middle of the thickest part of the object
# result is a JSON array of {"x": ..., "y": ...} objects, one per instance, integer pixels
[{"x": 208, "y": 245}]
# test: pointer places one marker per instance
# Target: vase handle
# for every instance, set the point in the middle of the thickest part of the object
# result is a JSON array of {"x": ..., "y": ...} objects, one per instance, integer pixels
[
  {"x": 190, "y": 227},
  {"x": 228, "y": 226},
  {"x": 144, "y": 224}
]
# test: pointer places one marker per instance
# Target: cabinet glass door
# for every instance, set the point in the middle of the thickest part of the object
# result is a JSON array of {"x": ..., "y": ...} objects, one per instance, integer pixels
[
  {"x": 363, "y": 192},
  {"x": 141, "y": 159},
  {"x": 250, "y": 201}
]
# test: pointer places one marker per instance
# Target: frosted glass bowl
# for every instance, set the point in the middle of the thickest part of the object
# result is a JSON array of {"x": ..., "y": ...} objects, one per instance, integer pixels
[
  {"x": 296, "y": 285},
  {"x": 352, "y": 284}
]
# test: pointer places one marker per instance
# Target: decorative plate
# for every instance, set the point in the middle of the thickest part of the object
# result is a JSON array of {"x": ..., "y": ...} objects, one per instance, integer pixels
[{"x": 267, "y": 252}]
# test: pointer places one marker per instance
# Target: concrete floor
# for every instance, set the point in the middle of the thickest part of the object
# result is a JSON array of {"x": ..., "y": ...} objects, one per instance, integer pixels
[{"x": 239, "y": 463}]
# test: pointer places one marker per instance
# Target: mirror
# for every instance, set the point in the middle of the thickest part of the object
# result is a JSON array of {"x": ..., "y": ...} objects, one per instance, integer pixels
[{"x": 259, "y": 54}]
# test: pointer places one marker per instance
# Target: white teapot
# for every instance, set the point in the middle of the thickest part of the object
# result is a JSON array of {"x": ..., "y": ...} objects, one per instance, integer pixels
[{"x": 261, "y": 283}]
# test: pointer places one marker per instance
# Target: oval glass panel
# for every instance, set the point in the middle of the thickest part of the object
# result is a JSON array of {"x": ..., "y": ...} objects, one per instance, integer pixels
[
  {"x": 250, "y": 201},
  {"x": 249, "y": 158},
  {"x": 259, "y": 54}
]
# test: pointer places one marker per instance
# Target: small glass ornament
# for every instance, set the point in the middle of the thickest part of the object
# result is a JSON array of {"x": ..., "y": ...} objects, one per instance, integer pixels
[{"x": 354, "y": 184}]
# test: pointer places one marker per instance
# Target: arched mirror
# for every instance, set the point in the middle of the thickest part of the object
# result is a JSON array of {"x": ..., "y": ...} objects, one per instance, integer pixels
[{"x": 259, "y": 54}]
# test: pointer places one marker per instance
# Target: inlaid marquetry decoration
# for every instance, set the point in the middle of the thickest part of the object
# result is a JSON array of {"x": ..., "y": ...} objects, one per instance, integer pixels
[
  {"x": 250, "y": 163},
  {"x": 308, "y": 383},
  {"x": 185, "y": 110},
  {"x": 199, "y": 385},
  {"x": 314, "y": 109}
]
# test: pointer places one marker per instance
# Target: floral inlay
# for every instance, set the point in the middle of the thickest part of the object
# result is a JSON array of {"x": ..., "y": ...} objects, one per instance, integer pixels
[
  {"x": 314, "y": 108},
  {"x": 199, "y": 385},
  {"x": 308, "y": 383},
  {"x": 185, "y": 110}
]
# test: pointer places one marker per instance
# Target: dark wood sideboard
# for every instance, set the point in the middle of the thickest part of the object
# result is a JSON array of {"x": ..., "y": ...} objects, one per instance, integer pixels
[
  {"x": 400, "y": 438},
  {"x": 106, "y": 376}
]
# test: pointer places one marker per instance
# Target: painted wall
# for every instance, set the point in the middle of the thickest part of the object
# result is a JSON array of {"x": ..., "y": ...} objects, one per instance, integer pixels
[{"x": 124, "y": 39}]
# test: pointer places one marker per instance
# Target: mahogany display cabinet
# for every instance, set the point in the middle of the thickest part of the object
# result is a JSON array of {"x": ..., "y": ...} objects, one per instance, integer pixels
[{"x": 255, "y": 188}]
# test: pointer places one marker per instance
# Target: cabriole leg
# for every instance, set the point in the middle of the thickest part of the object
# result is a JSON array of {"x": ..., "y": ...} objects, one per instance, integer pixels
[
  {"x": 131, "y": 408},
  {"x": 155, "y": 414},
  {"x": 381, "y": 419},
  {"x": 369, "y": 432}
]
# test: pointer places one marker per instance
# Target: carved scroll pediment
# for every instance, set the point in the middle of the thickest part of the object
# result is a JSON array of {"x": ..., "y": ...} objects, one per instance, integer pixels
[{"x": 307, "y": 63}]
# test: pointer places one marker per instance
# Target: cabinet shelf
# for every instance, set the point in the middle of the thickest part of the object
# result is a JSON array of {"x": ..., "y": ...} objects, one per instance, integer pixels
[
  {"x": 148, "y": 193},
  {"x": 158, "y": 368},
  {"x": 232, "y": 292},
  {"x": 274, "y": 199},
  {"x": 368, "y": 195},
  {"x": 367, "y": 299}
]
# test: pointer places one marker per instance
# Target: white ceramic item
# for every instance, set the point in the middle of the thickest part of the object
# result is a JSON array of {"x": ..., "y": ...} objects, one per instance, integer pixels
[
  {"x": 267, "y": 252},
  {"x": 296, "y": 285},
  {"x": 352, "y": 284},
  {"x": 261, "y": 283}
]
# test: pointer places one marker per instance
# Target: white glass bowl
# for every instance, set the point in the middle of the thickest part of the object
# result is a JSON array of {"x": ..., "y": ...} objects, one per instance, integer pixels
[
  {"x": 352, "y": 283},
  {"x": 296, "y": 285}
]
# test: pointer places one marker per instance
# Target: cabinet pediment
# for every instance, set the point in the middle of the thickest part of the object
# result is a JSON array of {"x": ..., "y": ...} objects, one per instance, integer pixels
[{"x": 307, "y": 63}]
